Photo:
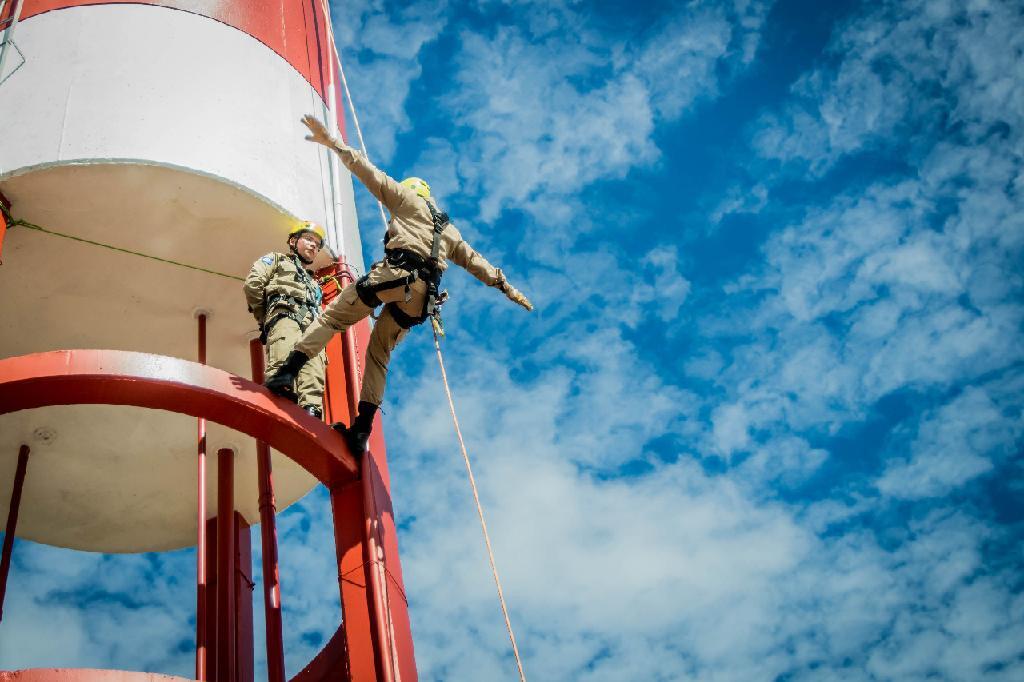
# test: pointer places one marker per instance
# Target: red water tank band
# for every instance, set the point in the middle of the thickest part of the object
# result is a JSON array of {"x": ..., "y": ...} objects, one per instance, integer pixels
[{"x": 294, "y": 29}]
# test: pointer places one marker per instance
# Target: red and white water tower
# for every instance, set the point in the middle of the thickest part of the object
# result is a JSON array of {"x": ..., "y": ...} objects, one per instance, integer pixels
[{"x": 150, "y": 151}]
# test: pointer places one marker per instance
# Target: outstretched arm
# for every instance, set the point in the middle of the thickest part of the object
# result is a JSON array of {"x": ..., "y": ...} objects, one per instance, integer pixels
[
  {"x": 387, "y": 190},
  {"x": 465, "y": 256}
]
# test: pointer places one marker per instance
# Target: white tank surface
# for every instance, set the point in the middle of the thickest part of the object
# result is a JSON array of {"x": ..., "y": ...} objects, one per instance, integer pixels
[{"x": 161, "y": 152}]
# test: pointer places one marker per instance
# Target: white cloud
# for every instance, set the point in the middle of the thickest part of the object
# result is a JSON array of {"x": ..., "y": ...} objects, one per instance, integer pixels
[
  {"x": 731, "y": 428},
  {"x": 904, "y": 66},
  {"x": 866, "y": 295},
  {"x": 957, "y": 442},
  {"x": 740, "y": 200},
  {"x": 625, "y": 567},
  {"x": 677, "y": 574},
  {"x": 380, "y": 46},
  {"x": 656, "y": 284},
  {"x": 550, "y": 115},
  {"x": 785, "y": 462},
  {"x": 78, "y": 609}
]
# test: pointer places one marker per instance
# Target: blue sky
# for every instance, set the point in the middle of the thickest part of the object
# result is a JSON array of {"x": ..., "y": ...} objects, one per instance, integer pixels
[{"x": 765, "y": 423}]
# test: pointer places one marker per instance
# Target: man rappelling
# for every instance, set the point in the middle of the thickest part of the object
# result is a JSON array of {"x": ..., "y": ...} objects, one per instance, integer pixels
[
  {"x": 284, "y": 297},
  {"x": 418, "y": 243}
]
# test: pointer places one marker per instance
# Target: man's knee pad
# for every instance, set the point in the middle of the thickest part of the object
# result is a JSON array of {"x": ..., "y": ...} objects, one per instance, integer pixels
[{"x": 366, "y": 292}]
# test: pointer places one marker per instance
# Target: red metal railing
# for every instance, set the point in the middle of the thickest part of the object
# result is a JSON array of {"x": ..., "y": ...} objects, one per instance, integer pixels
[
  {"x": 201, "y": 581},
  {"x": 368, "y": 641}
]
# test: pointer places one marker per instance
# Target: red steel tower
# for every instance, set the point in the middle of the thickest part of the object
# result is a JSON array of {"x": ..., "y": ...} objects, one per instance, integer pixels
[{"x": 150, "y": 151}]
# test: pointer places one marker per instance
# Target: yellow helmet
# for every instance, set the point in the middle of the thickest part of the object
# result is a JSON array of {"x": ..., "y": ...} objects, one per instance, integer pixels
[
  {"x": 418, "y": 185},
  {"x": 308, "y": 226}
]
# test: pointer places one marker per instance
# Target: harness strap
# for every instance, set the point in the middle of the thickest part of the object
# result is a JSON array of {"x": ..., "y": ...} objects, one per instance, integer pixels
[
  {"x": 418, "y": 267},
  {"x": 294, "y": 306},
  {"x": 292, "y": 315},
  {"x": 440, "y": 221},
  {"x": 404, "y": 320},
  {"x": 406, "y": 259},
  {"x": 267, "y": 328},
  {"x": 368, "y": 292},
  {"x": 277, "y": 299}
]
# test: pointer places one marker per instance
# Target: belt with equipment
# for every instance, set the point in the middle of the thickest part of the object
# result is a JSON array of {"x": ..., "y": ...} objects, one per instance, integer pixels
[
  {"x": 419, "y": 268},
  {"x": 291, "y": 307}
]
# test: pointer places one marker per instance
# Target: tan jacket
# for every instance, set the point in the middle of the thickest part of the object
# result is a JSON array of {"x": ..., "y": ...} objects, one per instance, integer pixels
[
  {"x": 411, "y": 226},
  {"x": 277, "y": 279}
]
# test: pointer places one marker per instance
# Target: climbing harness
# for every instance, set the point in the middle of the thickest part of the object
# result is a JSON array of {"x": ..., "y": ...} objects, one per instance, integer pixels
[
  {"x": 438, "y": 332},
  {"x": 302, "y": 310},
  {"x": 419, "y": 268},
  {"x": 432, "y": 307}
]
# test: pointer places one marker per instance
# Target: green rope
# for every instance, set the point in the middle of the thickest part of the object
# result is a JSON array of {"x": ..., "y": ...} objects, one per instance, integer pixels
[{"x": 33, "y": 226}]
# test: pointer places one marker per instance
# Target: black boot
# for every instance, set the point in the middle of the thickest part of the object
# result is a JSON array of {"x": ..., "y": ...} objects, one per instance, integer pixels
[
  {"x": 282, "y": 382},
  {"x": 314, "y": 411},
  {"x": 357, "y": 435}
]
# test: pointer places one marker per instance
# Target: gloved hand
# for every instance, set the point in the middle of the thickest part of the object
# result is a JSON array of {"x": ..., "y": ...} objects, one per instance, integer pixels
[
  {"x": 318, "y": 132},
  {"x": 517, "y": 296},
  {"x": 511, "y": 292}
]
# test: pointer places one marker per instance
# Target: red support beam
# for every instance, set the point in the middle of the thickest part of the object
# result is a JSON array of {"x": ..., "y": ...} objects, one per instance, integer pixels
[
  {"x": 241, "y": 590},
  {"x": 331, "y": 664},
  {"x": 211, "y": 598},
  {"x": 268, "y": 536},
  {"x": 360, "y": 637},
  {"x": 370, "y": 579},
  {"x": 3, "y": 233},
  {"x": 360, "y": 644},
  {"x": 201, "y": 581},
  {"x": 226, "y": 567},
  {"x": 375, "y": 469},
  {"x": 353, "y": 581},
  {"x": 12, "y": 523},
  {"x": 374, "y": 554},
  {"x": 244, "y": 584},
  {"x": 3, "y": 223},
  {"x": 375, "y": 563},
  {"x": 365, "y": 567}
]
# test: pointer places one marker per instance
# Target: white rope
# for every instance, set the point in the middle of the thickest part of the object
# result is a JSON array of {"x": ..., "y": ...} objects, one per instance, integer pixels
[
  {"x": 359, "y": 130},
  {"x": 380, "y": 565},
  {"x": 479, "y": 510},
  {"x": 451, "y": 405}
]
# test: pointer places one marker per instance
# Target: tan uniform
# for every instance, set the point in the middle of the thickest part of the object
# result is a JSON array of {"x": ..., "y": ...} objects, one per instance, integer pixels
[
  {"x": 277, "y": 282},
  {"x": 411, "y": 228}
]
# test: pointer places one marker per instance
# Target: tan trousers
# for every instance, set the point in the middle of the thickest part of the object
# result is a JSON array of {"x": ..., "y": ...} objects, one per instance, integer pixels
[
  {"x": 347, "y": 309},
  {"x": 280, "y": 341}
]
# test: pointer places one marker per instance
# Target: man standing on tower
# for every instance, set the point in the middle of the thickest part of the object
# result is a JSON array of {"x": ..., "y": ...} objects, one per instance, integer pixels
[
  {"x": 418, "y": 242},
  {"x": 285, "y": 299}
]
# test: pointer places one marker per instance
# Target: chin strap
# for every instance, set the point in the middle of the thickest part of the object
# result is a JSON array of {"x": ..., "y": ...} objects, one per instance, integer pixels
[{"x": 297, "y": 255}]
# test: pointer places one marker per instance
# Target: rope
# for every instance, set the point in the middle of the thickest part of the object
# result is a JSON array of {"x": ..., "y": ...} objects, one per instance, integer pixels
[
  {"x": 33, "y": 226},
  {"x": 451, "y": 405},
  {"x": 455, "y": 419},
  {"x": 479, "y": 509},
  {"x": 359, "y": 130},
  {"x": 383, "y": 218}
]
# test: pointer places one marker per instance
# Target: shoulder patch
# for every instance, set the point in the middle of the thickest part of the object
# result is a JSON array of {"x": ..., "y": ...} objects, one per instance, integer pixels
[{"x": 268, "y": 259}]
